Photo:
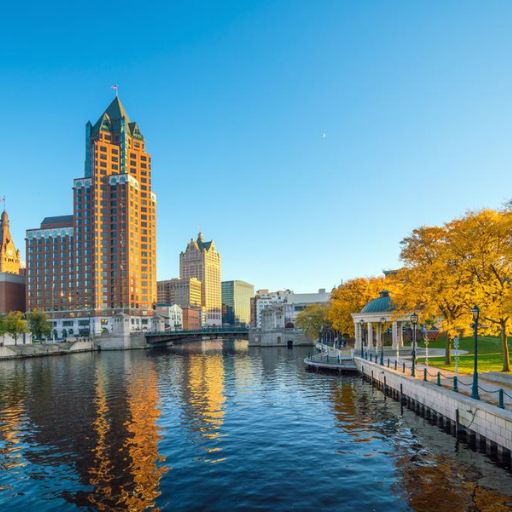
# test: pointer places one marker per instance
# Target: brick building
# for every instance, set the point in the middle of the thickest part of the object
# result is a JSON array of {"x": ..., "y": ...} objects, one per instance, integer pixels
[{"x": 84, "y": 268}]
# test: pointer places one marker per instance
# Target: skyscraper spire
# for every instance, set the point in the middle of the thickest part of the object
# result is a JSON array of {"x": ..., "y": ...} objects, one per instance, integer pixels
[{"x": 9, "y": 255}]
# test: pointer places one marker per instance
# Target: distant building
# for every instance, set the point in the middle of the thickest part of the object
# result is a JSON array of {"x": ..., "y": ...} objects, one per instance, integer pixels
[
  {"x": 202, "y": 261},
  {"x": 296, "y": 302},
  {"x": 12, "y": 276},
  {"x": 85, "y": 268},
  {"x": 264, "y": 299},
  {"x": 191, "y": 318},
  {"x": 290, "y": 305},
  {"x": 236, "y": 302},
  {"x": 273, "y": 317},
  {"x": 184, "y": 292},
  {"x": 172, "y": 316}
]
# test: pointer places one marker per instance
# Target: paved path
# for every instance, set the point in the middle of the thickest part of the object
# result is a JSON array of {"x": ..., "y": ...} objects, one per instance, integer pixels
[{"x": 489, "y": 384}]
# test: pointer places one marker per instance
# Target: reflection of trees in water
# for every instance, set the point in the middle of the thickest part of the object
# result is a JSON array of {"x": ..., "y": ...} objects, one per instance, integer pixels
[
  {"x": 437, "y": 484},
  {"x": 429, "y": 482},
  {"x": 357, "y": 413}
]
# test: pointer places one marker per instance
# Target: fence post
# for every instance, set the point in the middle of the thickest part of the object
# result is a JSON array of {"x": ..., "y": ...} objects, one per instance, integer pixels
[
  {"x": 388, "y": 362},
  {"x": 501, "y": 399},
  {"x": 396, "y": 364},
  {"x": 425, "y": 374},
  {"x": 438, "y": 378},
  {"x": 403, "y": 367},
  {"x": 455, "y": 384}
]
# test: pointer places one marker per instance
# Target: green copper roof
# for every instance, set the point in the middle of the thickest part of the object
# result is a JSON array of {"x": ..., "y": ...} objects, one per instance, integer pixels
[
  {"x": 381, "y": 305},
  {"x": 116, "y": 110},
  {"x": 202, "y": 244},
  {"x": 112, "y": 118}
]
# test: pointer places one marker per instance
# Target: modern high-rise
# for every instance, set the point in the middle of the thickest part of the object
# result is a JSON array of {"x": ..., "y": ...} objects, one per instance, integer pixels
[
  {"x": 12, "y": 280},
  {"x": 202, "y": 261},
  {"x": 184, "y": 292},
  {"x": 84, "y": 268},
  {"x": 236, "y": 302}
]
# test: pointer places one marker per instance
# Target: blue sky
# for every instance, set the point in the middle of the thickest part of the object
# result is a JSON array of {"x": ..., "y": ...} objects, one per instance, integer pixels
[{"x": 233, "y": 97}]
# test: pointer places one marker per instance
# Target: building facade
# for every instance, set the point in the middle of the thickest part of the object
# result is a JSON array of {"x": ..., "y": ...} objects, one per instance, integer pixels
[
  {"x": 202, "y": 261},
  {"x": 12, "y": 276},
  {"x": 184, "y": 292},
  {"x": 191, "y": 318},
  {"x": 285, "y": 305},
  {"x": 172, "y": 316},
  {"x": 264, "y": 299},
  {"x": 236, "y": 302},
  {"x": 83, "y": 269}
]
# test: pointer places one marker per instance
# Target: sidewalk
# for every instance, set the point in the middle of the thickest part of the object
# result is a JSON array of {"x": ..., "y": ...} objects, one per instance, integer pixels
[{"x": 489, "y": 383}]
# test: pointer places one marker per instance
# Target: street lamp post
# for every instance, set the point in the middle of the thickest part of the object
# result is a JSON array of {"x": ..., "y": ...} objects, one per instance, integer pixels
[
  {"x": 361, "y": 334},
  {"x": 381, "y": 332},
  {"x": 414, "y": 320},
  {"x": 475, "y": 310}
]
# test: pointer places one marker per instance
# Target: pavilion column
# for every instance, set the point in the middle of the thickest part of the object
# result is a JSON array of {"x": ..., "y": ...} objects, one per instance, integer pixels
[
  {"x": 358, "y": 333},
  {"x": 379, "y": 335},
  {"x": 400, "y": 334},
  {"x": 394, "y": 335},
  {"x": 370, "y": 335}
]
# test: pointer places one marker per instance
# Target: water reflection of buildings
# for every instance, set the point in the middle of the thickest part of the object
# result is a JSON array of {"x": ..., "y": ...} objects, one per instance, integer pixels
[
  {"x": 104, "y": 429},
  {"x": 125, "y": 469},
  {"x": 204, "y": 394},
  {"x": 11, "y": 415}
]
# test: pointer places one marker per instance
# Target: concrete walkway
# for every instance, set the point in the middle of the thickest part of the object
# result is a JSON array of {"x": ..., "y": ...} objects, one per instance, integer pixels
[{"x": 489, "y": 383}]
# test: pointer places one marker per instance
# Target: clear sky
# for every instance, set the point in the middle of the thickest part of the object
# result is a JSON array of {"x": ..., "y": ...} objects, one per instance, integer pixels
[{"x": 306, "y": 137}]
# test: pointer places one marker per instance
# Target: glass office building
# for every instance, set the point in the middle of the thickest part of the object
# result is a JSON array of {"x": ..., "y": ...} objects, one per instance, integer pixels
[{"x": 236, "y": 302}]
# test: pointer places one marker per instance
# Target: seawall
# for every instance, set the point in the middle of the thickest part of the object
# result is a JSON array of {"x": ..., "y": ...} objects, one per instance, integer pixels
[{"x": 480, "y": 424}]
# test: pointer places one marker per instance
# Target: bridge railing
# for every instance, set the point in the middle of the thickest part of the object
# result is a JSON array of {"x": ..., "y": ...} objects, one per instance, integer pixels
[{"x": 205, "y": 331}]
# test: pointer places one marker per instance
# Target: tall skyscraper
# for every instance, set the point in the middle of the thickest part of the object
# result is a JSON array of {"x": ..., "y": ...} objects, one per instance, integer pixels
[
  {"x": 202, "y": 261},
  {"x": 236, "y": 302},
  {"x": 103, "y": 256},
  {"x": 12, "y": 283}
]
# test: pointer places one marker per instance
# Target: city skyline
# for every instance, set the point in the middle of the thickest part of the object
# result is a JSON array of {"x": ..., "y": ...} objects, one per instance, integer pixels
[{"x": 330, "y": 129}]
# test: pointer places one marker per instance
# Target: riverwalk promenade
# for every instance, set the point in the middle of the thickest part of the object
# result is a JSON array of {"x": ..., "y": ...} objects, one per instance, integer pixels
[{"x": 442, "y": 397}]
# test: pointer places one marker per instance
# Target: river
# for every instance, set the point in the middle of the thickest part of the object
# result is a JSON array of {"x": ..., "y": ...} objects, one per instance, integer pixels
[{"x": 220, "y": 427}]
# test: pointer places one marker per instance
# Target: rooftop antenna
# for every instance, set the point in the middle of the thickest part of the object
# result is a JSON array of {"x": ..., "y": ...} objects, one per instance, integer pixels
[{"x": 116, "y": 88}]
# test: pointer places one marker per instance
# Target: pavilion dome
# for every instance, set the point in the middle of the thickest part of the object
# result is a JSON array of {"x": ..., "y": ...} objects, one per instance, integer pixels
[{"x": 383, "y": 304}]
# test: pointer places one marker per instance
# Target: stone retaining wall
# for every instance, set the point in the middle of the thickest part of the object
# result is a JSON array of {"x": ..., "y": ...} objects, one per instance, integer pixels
[
  {"x": 481, "y": 424},
  {"x": 278, "y": 338}
]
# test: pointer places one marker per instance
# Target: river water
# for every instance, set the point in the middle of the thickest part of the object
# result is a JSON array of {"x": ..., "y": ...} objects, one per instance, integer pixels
[{"x": 219, "y": 427}]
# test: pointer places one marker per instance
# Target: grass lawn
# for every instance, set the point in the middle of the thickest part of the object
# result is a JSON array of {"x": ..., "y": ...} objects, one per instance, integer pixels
[{"x": 490, "y": 357}]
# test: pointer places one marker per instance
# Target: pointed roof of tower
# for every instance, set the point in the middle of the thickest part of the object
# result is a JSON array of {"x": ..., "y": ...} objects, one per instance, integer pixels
[
  {"x": 111, "y": 118},
  {"x": 116, "y": 110},
  {"x": 201, "y": 243}
]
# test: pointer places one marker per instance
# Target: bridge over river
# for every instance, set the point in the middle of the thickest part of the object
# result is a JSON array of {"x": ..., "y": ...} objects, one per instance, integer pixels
[{"x": 184, "y": 336}]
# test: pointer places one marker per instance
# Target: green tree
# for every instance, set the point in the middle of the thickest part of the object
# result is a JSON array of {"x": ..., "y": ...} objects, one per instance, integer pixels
[
  {"x": 312, "y": 318},
  {"x": 15, "y": 325},
  {"x": 39, "y": 324}
]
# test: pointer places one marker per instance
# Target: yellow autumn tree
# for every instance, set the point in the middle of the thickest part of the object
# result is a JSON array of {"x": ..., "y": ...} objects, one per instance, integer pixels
[
  {"x": 351, "y": 296},
  {"x": 311, "y": 319},
  {"x": 432, "y": 283},
  {"x": 482, "y": 243}
]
